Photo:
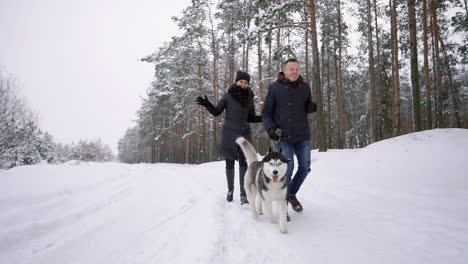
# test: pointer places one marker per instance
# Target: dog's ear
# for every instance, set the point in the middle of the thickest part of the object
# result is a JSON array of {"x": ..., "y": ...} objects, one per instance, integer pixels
[
  {"x": 269, "y": 150},
  {"x": 283, "y": 158}
]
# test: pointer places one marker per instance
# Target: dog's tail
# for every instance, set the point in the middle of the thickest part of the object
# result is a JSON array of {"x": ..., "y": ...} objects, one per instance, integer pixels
[{"x": 249, "y": 151}]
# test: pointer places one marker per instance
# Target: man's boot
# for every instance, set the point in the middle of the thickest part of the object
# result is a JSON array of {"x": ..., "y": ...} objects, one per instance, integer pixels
[{"x": 295, "y": 204}]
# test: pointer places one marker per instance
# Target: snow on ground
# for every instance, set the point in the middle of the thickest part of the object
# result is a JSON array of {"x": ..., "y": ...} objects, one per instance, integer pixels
[{"x": 402, "y": 200}]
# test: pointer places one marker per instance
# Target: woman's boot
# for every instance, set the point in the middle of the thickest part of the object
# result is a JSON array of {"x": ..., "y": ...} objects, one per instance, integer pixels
[
  {"x": 243, "y": 195},
  {"x": 230, "y": 184}
]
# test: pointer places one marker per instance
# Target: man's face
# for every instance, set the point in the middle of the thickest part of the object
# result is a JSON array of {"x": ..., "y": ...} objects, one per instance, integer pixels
[
  {"x": 291, "y": 71},
  {"x": 242, "y": 83}
]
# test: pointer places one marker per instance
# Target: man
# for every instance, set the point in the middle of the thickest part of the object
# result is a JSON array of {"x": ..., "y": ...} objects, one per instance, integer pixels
[{"x": 285, "y": 110}]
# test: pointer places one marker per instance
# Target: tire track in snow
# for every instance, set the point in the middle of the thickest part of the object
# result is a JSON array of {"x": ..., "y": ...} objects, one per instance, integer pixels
[
  {"x": 17, "y": 208},
  {"x": 48, "y": 224}
]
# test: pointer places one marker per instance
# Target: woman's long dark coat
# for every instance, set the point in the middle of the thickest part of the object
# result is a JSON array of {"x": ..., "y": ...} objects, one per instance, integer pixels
[{"x": 236, "y": 124}]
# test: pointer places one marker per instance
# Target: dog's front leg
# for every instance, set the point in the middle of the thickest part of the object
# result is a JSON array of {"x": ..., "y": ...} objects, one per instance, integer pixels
[
  {"x": 253, "y": 197},
  {"x": 268, "y": 211},
  {"x": 259, "y": 203},
  {"x": 282, "y": 212}
]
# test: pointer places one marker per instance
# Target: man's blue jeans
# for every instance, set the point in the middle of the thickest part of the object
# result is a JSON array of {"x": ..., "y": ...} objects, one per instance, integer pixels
[{"x": 302, "y": 151}]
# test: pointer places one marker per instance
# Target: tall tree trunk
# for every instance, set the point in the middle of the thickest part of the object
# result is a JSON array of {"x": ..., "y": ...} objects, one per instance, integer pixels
[
  {"x": 310, "y": 118},
  {"x": 339, "y": 85},
  {"x": 214, "y": 51},
  {"x": 384, "y": 121},
  {"x": 427, "y": 76},
  {"x": 243, "y": 57},
  {"x": 187, "y": 142},
  {"x": 270, "y": 41},
  {"x": 414, "y": 65},
  {"x": 438, "y": 74},
  {"x": 395, "y": 71},
  {"x": 246, "y": 43},
  {"x": 316, "y": 81},
  {"x": 260, "y": 75},
  {"x": 201, "y": 120},
  {"x": 269, "y": 57},
  {"x": 158, "y": 153},
  {"x": 306, "y": 39},
  {"x": 278, "y": 46},
  {"x": 232, "y": 59},
  {"x": 434, "y": 74},
  {"x": 337, "y": 92},
  {"x": 153, "y": 151},
  {"x": 248, "y": 19},
  {"x": 454, "y": 94},
  {"x": 307, "y": 70},
  {"x": 378, "y": 83},
  {"x": 371, "y": 75},
  {"x": 247, "y": 57},
  {"x": 326, "y": 67}
]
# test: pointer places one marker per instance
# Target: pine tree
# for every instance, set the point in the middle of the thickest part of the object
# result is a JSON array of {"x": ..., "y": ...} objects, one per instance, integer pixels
[
  {"x": 414, "y": 65},
  {"x": 395, "y": 70},
  {"x": 21, "y": 140},
  {"x": 437, "y": 70},
  {"x": 217, "y": 40},
  {"x": 427, "y": 77},
  {"x": 372, "y": 121},
  {"x": 316, "y": 79}
]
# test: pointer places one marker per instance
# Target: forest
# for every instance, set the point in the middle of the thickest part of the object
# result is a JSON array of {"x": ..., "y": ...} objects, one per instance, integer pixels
[
  {"x": 377, "y": 69},
  {"x": 23, "y": 142}
]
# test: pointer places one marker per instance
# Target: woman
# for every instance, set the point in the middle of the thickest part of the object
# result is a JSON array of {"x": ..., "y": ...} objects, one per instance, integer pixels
[{"x": 239, "y": 105}]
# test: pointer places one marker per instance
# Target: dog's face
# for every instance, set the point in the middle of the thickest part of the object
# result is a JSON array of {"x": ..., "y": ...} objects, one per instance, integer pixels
[{"x": 275, "y": 165}]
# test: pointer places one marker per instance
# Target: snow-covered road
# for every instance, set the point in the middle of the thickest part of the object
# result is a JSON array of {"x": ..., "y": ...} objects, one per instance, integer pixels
[{"x": 403, "y": 200}]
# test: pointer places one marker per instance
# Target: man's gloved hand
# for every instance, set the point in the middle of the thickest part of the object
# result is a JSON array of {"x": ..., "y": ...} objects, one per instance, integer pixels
[
  {"x": 203, "y": 101},
  {"x": 311, "y": 107},
  {"x": 272, "y": 134}
]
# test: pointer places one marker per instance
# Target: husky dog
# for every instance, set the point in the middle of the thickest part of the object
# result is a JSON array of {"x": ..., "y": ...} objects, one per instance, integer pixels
[{"x": 267, "y": 180}]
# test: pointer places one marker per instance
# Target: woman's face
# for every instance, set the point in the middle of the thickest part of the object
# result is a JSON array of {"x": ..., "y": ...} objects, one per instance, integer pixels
[{"x": 242, "y": 83}]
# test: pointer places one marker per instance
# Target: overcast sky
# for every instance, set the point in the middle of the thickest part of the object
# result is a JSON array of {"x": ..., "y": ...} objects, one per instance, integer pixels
[{"x": 77, "y": 62}]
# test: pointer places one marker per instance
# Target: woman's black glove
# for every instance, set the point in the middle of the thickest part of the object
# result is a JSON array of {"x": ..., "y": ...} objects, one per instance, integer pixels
[
  {"x": 272, "y": 134},
  {"x": 208, "y": 105},
  {"x": 203, "y": 101},
  {"x": 311, "y": 107}
]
